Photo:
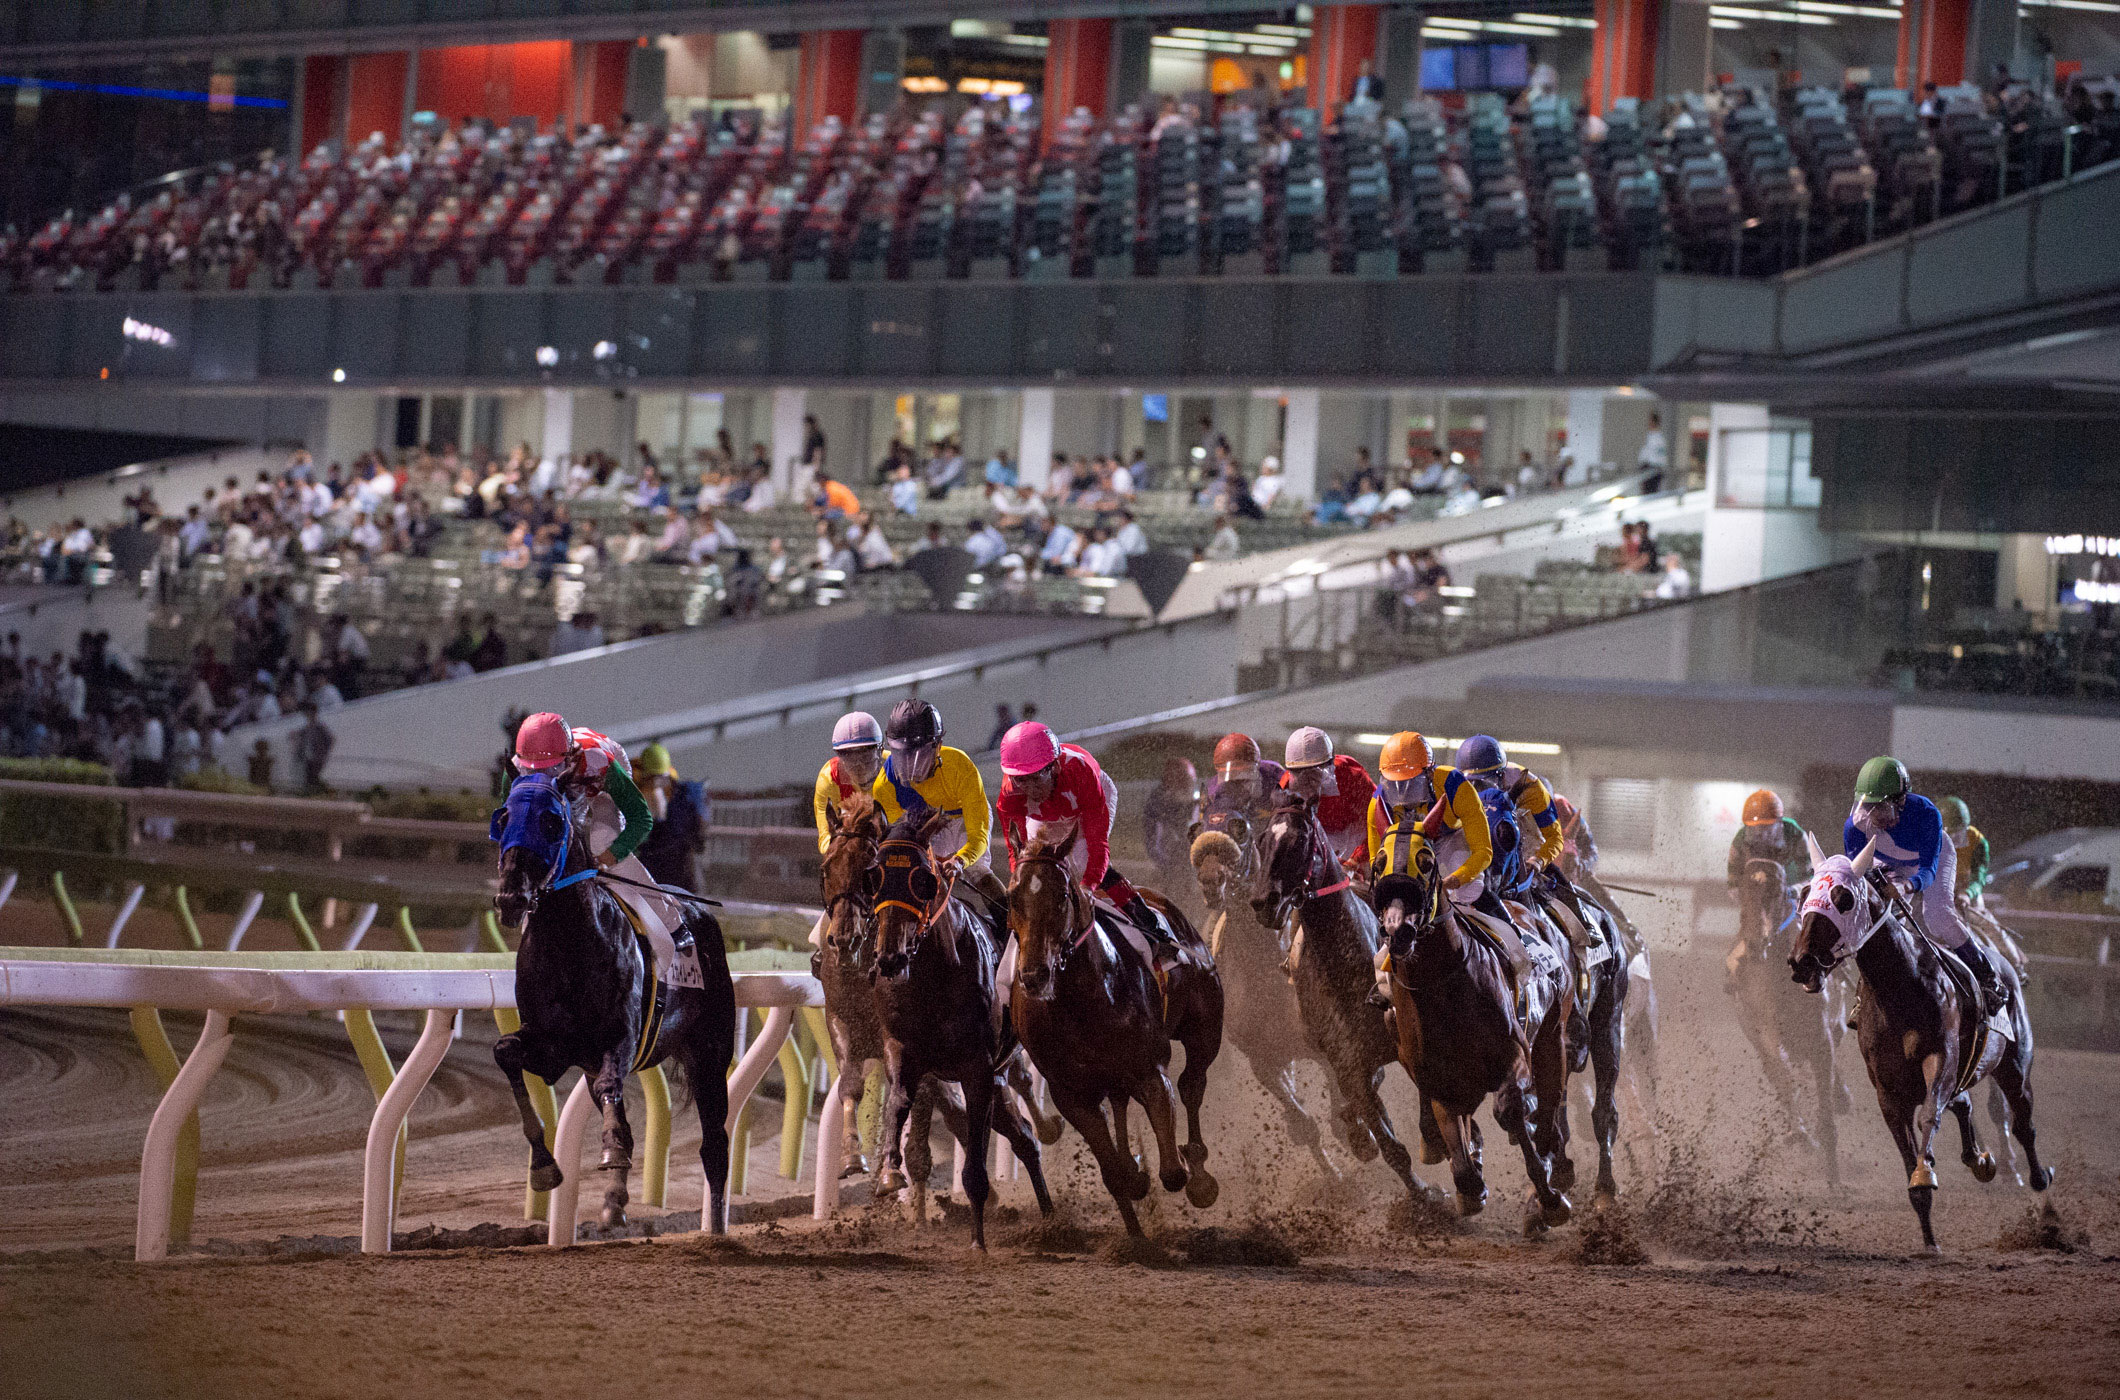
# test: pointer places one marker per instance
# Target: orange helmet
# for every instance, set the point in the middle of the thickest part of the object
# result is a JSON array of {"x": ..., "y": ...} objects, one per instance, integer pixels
[
  {"x": 1235, "y": 752},
  {"x": 1405, "y": 756},
  {"x": 1762, "y": 808}
]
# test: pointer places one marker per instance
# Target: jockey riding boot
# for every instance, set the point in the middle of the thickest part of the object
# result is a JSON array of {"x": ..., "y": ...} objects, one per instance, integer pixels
[
  {"x": 1121, "y": 892},
  {"x": 1976, "y": 958}
]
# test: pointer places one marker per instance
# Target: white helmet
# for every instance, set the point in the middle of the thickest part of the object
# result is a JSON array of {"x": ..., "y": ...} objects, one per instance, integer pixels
[
  {"x": 1308, "y": 747},
  {"x": 856, "y": 729}
]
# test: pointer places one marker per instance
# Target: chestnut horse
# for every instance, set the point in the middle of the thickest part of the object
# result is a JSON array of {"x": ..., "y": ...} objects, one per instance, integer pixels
[
  {"x": 1919, "y": 1028},
  {"x": 1088, "y": 1008},
  {"x": 1465, "y": 1032},
  {"x": 933, "y": 978}
]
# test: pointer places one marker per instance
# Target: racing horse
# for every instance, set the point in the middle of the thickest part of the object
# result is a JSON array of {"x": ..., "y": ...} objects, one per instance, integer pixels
[
  {"x": 1333, "y": 974},
  {"x": 1792, "y": 1035},
  {"x": 1261, "y": 1017},
  {"x": 590, "y": 998},
  {"x": 849, "y": 874},
  {"x": 1089, "y": 1009},
  {"x": 933, "y": 980},
  {"x": 1920, "y": 1027},
  {"x": 1602, "y": 990},
  {"x": 1466, "y": 1030}
]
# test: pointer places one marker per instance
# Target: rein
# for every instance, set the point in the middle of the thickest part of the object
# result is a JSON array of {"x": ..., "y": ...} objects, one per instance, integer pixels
[
  {"x": 898, "y": 872},
  {"x": 1074, "y": 937}
]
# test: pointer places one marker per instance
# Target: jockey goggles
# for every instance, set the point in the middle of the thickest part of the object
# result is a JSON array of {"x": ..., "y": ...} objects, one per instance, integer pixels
[
  {"x": 1314, "y": 783},
  {"x": 1399, "y": 792},
  {"x": 916, "y": 762},
  {"x": 861, "y": 765}
]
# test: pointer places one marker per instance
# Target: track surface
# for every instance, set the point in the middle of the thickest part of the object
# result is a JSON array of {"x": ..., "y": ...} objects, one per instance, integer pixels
[{"x": 1757, "y": 1280}]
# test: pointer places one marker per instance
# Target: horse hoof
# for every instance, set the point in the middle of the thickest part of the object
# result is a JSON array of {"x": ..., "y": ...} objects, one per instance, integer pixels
[
  {"x": 1931, "y": 1250},
  {"x": 1563, "y": 1174},
  {"x": 1924, "y": 1176},
  {"x": 614, "y": 1218},
  {"x": 1433, "y": 1156},
  {"x": 546, "y": 1177},
  {"x": 1137, "y": 1189},
  {"x": 1203, "y": 1190},
  {"x": 1557, "y": 1212},
  {"x": 855, "y": 1166},
  {"x": 1982, "y": 1167},
  {"x": 1472, "y": 1202},
  {"x": 1174, "y": 1181},
  {"x": 1604, "y": 1198},
  {"x": 891, "y": 1182},
  {"x": 1049, "y": 1131},
  {"x": 2042, "y": 1177}
]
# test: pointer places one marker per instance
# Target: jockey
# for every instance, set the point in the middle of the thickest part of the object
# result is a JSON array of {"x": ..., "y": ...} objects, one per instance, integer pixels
[
  {"x": 920, "y": 773},
  {"x": 1336, "y": 784},
  {"x": 1481, "y": 759},
  {"x": 1048, "y": 787},
  {"x": 857, "y": 757},
  {"x": 1970, "y": 846},
  {"x": 1170, "y": 815},
  {"x": 1768, "y": 835},
  {"x": 1512, "y": 792},
  {"x": 1243, "y": 782},
  {"x": 586, "y": 762},
  {"x": 1911, "y": 845}
]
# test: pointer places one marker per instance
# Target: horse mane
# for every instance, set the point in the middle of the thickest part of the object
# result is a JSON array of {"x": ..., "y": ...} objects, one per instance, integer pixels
[{"x": 860, "y": 815}]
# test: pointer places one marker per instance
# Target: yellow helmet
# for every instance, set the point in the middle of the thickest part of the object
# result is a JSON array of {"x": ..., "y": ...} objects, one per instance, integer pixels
[
  {"x": 1405, "y": 756},
  {"x": 654, "y": 762}
]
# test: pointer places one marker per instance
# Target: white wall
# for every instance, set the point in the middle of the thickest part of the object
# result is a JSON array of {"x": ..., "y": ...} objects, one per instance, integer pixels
[
  {"x": 52, "y": 619},
  {"x": 177, "y": 483},
  {"x": 2021, "y": 742}
]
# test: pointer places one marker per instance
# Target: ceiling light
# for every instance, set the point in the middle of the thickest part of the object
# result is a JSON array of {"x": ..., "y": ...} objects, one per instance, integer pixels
[
  {"x": 1826, "y": 7},
  {"x": 1502, "y": 26},
  {"x": 2095, "y": 6},
  {"x": 1771, "y": 16},
  {"x": 1563, "y": 21},
  {"x": 1717, "y": 23}
]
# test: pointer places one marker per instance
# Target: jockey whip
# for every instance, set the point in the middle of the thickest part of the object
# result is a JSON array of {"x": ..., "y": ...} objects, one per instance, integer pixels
[{"x": 658, "y": 889}]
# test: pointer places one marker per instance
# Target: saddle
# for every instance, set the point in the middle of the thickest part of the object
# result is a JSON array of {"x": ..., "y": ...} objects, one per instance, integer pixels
[{"x": 1505, "y": 941}]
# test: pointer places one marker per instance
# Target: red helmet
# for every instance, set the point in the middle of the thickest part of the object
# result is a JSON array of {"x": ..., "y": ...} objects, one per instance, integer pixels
[
  {"x": 1028, "y": 748},
  {"x": 1235, "y": 751},
  {"x": 543, "y": 742}
]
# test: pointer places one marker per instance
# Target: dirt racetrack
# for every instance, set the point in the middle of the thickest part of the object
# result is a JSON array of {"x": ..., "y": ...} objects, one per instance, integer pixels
[{"x": 1749, "y": 1275}]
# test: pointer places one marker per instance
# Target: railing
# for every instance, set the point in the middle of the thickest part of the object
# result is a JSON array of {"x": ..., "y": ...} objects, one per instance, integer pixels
[{"x": 441, "y": 985}]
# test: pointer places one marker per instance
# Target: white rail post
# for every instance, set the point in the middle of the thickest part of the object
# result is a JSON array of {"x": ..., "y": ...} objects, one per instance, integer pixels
[
  {"x": 378, "y": 1198},
  {"x": 125, "y": 912},
  {"x": 158, "y": 1157},
  {"x": 251, "y": 907},
  {"x": 359, "y": 930},
  {"x": 831, "y": 1147},
  {"x": 567, "y": 1151}
]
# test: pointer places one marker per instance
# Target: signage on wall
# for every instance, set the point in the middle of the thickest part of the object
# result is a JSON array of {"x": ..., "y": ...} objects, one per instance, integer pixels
[{"x": 2108, "y": 545}]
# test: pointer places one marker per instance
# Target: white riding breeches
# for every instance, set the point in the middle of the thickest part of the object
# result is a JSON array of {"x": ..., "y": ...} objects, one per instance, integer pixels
[
  {"x": 1450, "y": 853},
  {"x": 1939, "y": 903}
]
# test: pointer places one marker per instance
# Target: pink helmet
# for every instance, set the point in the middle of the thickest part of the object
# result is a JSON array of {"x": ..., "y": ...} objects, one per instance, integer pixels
[
  {"x": 543, "y": 742},
  {"x": 1028, "y": 748}
]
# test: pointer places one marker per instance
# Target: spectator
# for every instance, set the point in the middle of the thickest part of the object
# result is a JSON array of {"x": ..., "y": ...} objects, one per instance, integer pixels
[
  {"x": 1224, "y": 544},
  {"x": 311, "y": 747},
  {"x": 1103, "y": 556},
  {"x": 1655, "y": 456},
  {"x": 1004, "y": 721},
  {"x": 491, "y": 653},
  {"x": 746, "y": 586},
  {"x": 905, "y": 492},
  {"x": 873, "y": 548},
  {"x": 984, "y": 543},
  {"x": 835, "y": 500},
  {"x": 945, "y": 468},
  {"x": 1676, "y": 581},
  {"x": 1000, "y": 471},
  {"x": 933, "y": 539},
  {"x": 1131, "y": 538},
  {"x": 813, "y": 444},
  {"x": 261, "y": 764},
  {"x": 581, "y": 632},
  {"x": 1267, "y": 488},
  {"x": 1062, "y": 549}
]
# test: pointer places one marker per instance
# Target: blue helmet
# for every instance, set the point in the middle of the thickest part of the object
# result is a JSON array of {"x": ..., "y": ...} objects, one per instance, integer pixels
[{"x": 1480, "y": 755}]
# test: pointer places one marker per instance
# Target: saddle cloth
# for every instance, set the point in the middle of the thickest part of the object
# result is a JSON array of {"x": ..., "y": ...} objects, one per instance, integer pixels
[{"x": 679, "y": 966}]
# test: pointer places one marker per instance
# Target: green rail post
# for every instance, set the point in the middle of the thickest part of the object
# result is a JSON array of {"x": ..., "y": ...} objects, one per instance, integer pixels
[
  {"x": 406, "y": 931},
  {"x": 655, "y": 1167},
  {"x": 795, "y": 1103},
  {"x": 191, "y": 925},
  {"x": 66, "y": 908},
  {"x": 740, "y": 1140},
  {"x": 162, "y": 1058},
  {"x": 308, "y": 939},
  {"x": 509, "y": 1021},
  {"x": 375, "y": 1063},
  {"x": 869, "y": 1120},
  {"x": 490, "y": 931}
]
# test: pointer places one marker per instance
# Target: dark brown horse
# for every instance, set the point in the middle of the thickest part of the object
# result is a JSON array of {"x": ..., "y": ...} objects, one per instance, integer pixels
[
  {"x": 933, "y": 977},
  {"x": 1262, "y": 1019},
  {"x": 1465, "y": 1032},
  {"x": 1919, "y": 1028},
  {"x": 1602, "y": 988},
  {"x": 1098, "y": 1027},
  {"x": 1794, "y": 1036},
  {"x": 1334, "y": 971}
]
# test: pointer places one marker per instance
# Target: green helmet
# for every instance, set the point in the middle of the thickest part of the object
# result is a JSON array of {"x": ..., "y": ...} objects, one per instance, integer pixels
[
  {"x": 654, "y": 761},
  {"x": 1881, "y": 780},
  {"x": 1956, "y": 816}
]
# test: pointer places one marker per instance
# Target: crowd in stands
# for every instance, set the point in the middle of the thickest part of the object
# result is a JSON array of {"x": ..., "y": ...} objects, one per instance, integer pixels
[{"x": 1729, "y": 180}]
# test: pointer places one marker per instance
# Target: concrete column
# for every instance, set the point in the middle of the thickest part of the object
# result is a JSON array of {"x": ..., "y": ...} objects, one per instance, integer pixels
[
  {"x": 349, "y": 428},
  {"x": 1685, "y": 59},
  {"x": 882, "y": 70},
  {"x": 2025, "y": 574},
  {"x": 1399, "y": 55},
  {"x": 1034, "y": 437},
  {"x": 557, "y": 437},
  {"x": 789, "y": 405},
  {"x": 1299, "y": 457},
  {"x": 647, "y": 82},
  {"x": 412, "y": 92},
  {"x": 1733, "y": 535}
]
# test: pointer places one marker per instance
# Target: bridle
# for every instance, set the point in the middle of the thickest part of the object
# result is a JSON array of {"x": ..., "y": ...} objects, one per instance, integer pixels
[
  {"x": 556, "y": 876},
  {"x": 912, "y": 881},
  {"x": 1318, "y": 864},
  {"x": 1083, "y": 915},
  {"x": 857, "y": 897}
]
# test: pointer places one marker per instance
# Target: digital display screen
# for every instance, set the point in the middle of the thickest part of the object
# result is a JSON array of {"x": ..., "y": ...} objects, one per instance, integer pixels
[
  {"x": 1508, "y": 65},
  {"x": 1475, "y": 67},
  {"x": 1155, "y": 408},
  {"x": 1438, "y": 70}
]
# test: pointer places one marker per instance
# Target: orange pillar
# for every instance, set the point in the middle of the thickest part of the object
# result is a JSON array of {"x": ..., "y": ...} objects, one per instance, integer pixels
[
  {"x": 1932, "y": 44},
  {"x": 1078, "y": 61},
  {"x": 1341, "y": 37},
  {"x": 827, "y": 77},
  {"x": 1623, "y": 52}
]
